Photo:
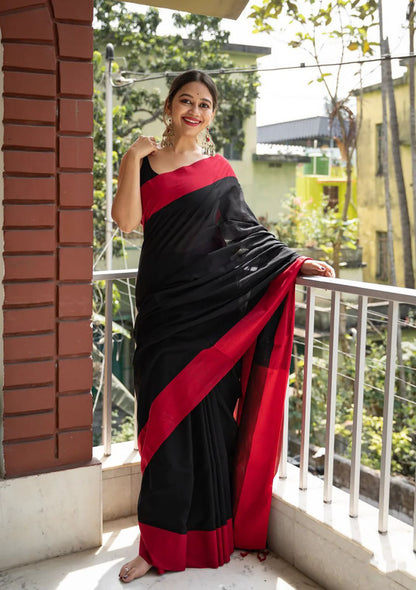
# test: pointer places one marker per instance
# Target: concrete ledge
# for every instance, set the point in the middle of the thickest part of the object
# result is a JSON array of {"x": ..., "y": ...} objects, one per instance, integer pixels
[
  {"x": 121, "y": 480},
  {"x": 50, "y": 514},
  {"x": 402, "y": 492},
  {"x": 334, "y": 550}
]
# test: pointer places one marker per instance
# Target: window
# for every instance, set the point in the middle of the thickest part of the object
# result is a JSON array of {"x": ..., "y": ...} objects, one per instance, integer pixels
[
  {"x": 379, "y": 155},
  {"x": 231, "y": 152},
  {"x": 330, "y": 198},
  {"x": 382, "y": 268}
]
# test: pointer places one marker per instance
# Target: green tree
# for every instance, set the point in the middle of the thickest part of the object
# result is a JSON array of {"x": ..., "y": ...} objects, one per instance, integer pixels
[
  {"x": 301, "y": 227},
  {"x": 314, "y": 23},
  {"x": 199, "y": 42}
]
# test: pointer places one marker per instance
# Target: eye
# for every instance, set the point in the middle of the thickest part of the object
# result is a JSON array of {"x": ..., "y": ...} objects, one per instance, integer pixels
[
  {"x": 205, "y": 105},
  {"x": 185, "y": 101}
]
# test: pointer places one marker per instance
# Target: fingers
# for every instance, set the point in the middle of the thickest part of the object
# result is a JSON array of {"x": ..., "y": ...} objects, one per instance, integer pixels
[
  {"x": 144, "y": 145},
  {"x": 145, "y": 140},
  {"x": 317, "y": 267},
  {"x": 326, "y": 270}
]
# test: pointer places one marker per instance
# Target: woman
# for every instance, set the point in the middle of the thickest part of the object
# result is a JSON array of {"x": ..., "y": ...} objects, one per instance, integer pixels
[{"x": 215, "y": 295}]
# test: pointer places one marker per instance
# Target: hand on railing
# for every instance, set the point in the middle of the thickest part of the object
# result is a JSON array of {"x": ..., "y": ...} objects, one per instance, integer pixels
[{"x": 317, "y": 267}]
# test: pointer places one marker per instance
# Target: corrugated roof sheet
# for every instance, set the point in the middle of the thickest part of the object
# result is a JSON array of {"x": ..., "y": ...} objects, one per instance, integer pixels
[{"x": 298, "y": 132}]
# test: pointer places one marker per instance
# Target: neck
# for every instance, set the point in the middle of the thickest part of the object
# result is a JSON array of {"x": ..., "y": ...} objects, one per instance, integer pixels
[{"x": 185, "y": 144}]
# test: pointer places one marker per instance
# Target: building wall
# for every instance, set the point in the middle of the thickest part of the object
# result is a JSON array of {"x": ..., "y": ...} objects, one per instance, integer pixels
[
  {"x": 270, "y": 188},
  {"x": 310, "y": 188},
  {"x": 370, "y": 186},
  {"x": 48, "y": 157}
]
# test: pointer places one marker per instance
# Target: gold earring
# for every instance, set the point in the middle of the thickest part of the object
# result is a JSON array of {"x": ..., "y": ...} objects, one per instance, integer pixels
[
  {"x": 208, "y": 146},
  {"x": 167, "y": 137}
]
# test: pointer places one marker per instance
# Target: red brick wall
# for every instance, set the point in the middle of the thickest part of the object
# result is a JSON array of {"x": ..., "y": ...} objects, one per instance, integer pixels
[{"x": 48, "y": 158}]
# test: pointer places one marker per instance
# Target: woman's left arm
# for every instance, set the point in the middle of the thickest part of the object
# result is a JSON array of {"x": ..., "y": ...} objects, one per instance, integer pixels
[{"x": 317, "y": 267}]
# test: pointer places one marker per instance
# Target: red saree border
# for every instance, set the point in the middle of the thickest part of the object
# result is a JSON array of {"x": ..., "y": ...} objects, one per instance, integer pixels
[
  {"x": 259, "y": 437},
  {"x": 163, "y": 189},
  {"x": 196, "y": 380},
  {"x": 168, "y": 551}
]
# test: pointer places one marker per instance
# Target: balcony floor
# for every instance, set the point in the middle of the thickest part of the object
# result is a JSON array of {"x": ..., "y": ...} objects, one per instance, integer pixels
[{"x": 97, "y": 569}]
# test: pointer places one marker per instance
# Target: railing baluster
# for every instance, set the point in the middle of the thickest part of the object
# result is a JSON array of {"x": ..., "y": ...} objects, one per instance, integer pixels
[
  {"x": 332, "y": 396},
  {"x": 395, "y": 296},
  {"x": 357, "y": 424},
  {"x": 307, "y": 388},
  {"x": 414, "y": 525},
  {"x": 391, "y": 353},
  {"x": 108, "y": 367},
  {"x": 285, "y": 437},
  {"x": 109, "y": 276}
]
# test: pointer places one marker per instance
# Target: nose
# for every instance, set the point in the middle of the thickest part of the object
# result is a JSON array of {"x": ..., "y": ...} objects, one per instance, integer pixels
[{"x": 194, "y": 108}]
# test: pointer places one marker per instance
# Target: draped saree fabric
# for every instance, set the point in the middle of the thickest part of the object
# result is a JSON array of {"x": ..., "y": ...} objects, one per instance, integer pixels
[{"x": 215, "y": 298}]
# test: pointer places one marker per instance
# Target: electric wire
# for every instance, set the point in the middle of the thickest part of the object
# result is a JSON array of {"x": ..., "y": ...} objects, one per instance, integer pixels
[
  {"x": 104, "y": 249},
  {"x": 366, "y": 385},
  {"x": 144, "y": 77}
]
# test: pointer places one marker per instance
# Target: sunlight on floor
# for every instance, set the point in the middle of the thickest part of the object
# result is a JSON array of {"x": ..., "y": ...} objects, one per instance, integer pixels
[{"x": 97, "y": 569}]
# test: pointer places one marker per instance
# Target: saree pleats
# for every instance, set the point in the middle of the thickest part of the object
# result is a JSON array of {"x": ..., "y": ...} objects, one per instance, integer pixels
[{"x": 215, "y": 294}]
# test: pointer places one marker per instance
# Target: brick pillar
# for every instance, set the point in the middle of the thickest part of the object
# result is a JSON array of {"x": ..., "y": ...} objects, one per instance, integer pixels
[{"x": 48, "y": 159}]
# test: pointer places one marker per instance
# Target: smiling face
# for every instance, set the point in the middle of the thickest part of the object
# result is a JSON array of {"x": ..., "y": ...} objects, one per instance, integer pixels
[{"x": 191, "y": 109}]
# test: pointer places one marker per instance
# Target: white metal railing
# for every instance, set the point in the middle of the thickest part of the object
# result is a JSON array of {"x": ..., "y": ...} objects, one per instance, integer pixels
[
  {"x": 109, "y": 276},
  {"x": 314, "y": 285},
  {"x": 394, "y": 296}
]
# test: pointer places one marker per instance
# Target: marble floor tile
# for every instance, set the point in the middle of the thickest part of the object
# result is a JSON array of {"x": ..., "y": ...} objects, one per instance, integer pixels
[{"x": 97, "y": 569}]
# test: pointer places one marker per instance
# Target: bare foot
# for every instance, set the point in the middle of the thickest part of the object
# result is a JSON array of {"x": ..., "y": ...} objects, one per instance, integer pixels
[{"x": 136, "y": 568}]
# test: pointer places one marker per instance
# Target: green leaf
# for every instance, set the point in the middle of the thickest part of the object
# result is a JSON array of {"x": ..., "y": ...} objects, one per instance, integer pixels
[
  {"x": 115, "y": 327},
  {"x": 353, "y": 46}
]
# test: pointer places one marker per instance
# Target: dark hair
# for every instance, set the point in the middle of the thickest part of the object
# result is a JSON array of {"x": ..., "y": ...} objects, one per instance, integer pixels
[{"x": 192, "y": 76}]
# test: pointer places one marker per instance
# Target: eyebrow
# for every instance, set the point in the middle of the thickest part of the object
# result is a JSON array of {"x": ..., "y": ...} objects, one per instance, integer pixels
[{"x": 190, "y": 96}]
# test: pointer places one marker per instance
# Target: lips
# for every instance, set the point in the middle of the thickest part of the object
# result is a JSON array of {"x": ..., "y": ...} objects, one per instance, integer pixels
[{"x": 192, "y": 122}]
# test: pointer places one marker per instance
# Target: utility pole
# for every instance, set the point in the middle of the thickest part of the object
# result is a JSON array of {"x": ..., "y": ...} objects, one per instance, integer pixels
[
  {"x": 406, "y": 239},
  {"x": 411, "y": 72},
  {"x": 386, "y": 86},
  {"x": 385, "y": 152},
  {"x": 109, "y": 58},
  {"x": 108, "y": 337}
]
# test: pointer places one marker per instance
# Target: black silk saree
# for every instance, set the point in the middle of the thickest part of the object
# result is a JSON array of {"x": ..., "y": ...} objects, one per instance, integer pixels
[{"x": 215, "y": 298}]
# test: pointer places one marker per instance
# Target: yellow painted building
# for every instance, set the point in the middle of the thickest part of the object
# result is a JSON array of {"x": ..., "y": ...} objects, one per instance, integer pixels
[
  {"x": 319, "y": 174},
  {"x": 370, "y": 184},
  {"x": 326, "y": 182}
]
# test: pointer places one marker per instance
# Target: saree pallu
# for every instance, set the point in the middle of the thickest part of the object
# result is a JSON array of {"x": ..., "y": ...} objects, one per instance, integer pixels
[{"x": 215, "y": 298}]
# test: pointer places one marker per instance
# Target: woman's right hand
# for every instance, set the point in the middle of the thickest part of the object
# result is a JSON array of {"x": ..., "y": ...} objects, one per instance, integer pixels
[{"x": 143, "y": 146}]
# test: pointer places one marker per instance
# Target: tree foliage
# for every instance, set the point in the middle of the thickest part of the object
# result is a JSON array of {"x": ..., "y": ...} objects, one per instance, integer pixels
[
  {"x": 347, "y": 20},
  {"x": 312, "y": 24},
  {"x": 348, "y": 23},
  {"x": 302, "y": 227},
  {"x": 404, "y": 426},
  {"x": 199, "y": 42}
]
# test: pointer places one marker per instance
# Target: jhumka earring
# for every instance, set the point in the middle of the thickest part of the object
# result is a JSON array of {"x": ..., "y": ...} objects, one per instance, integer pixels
[
  {"x": 167, "y": 137},
  {"x": 208, "y": 146}
]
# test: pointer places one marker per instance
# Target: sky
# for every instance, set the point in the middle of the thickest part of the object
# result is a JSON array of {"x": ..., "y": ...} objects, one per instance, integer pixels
[
  {"x": 289, "y": 95},
  {"x": 286, "y": 96}
]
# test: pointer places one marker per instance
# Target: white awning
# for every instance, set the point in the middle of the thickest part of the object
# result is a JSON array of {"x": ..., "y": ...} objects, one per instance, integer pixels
[{"x": 221, "y": 8}]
